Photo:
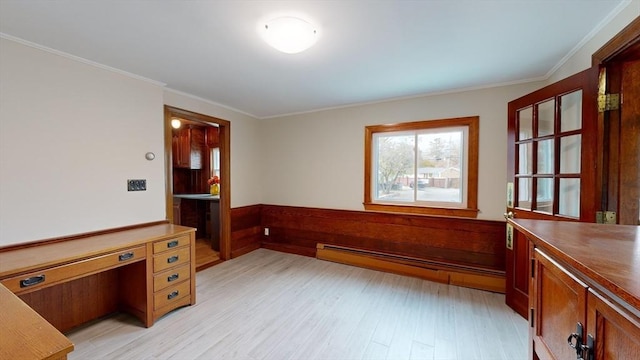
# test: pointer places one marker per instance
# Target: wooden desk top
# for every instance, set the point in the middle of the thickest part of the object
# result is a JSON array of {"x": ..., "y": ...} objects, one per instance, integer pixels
[
  {"x": 607, "y": 254},
  {"x": 22, "y": 260},
  {"x": 24, "y": 334}
]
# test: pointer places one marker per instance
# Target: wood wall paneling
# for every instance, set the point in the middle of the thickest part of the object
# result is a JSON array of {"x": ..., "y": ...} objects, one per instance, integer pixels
[
  {"x": 246, "y": 229},
  {"x": 466, "y": 242}
]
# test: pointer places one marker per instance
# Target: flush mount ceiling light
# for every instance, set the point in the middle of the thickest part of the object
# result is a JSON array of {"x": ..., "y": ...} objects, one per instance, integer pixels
[
  {"x": 175, "y": 123},
  {"x": 289, "y": 34}
]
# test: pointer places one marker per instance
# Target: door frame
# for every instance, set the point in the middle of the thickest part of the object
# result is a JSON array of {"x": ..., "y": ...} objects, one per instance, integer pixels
[
  {"x": 625, "y": 40},
  {"x": 224, "y": 127},
  {"x": 623, "y": 46}
]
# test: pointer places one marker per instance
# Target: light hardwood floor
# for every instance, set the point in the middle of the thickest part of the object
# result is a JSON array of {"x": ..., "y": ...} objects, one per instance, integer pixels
[
  {"x": 271, "y": 305},
  {"x": 205, "y": 255}
]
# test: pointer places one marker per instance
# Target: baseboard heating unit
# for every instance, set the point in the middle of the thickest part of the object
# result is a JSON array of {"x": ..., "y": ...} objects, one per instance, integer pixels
[{"x": 460, "y": 275}]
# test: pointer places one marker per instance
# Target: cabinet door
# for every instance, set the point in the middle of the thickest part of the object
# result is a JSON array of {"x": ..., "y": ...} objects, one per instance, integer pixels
[
  {"x": 559, "y": 304},
  {"x": 616, "y": 333}
]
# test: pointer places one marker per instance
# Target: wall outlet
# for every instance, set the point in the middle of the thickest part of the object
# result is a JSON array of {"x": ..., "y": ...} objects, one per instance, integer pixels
[
  {"x": 137, "y": 185},
  {"x": 266, "y": 231}
]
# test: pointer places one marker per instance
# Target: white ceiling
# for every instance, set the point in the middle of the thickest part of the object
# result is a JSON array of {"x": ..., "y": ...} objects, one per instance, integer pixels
[{"x": 367, "y": 51}]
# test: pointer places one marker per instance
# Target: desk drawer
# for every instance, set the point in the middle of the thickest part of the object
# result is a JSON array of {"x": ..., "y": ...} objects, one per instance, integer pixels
[
  {"x": 171, "y": 277},
  {"x": 171, "y": 294},
  {"x": 169, "y": 259},
  {"x": 160, "y": 246},
  {"x": 51, "y": 276}
]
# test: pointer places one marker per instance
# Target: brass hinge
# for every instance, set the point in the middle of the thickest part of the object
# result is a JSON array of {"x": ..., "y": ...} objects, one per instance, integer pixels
[
  {"x": 606, "y": 217},
  {"x": 607, "y": 102}
]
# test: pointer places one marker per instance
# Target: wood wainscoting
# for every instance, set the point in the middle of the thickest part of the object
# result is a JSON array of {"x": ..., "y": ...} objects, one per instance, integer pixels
[
  {"x": 245, "y": 229},
  {"x": 472, "y": 247}
]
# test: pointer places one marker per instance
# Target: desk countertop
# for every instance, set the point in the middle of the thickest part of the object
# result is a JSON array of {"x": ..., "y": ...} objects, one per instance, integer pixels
[
  {"x": 607, "y": 254},
  {"x": 25, "y": 334},
  {"x": 205, "y": 197}
]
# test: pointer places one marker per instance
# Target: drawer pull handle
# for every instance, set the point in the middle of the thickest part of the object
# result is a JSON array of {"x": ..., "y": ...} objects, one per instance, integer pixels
[
  {"x": 172, "y": 243},
  {"x": 172, "y": 295},
  {"x": 173, "y": 277},
  {"x": 172, "y": 259},
  {"x": 34, "y": 280},
  {"x": 126, "y": 256}
]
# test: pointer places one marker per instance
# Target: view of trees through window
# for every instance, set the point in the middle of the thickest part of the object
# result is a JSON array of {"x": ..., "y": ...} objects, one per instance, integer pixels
[{"x": 420, "y": 166}]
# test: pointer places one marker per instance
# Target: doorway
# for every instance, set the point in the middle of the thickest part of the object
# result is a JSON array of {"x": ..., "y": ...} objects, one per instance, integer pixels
[
  {"x": 608, "y": 172},
  {"x": 205, "y": 256}
]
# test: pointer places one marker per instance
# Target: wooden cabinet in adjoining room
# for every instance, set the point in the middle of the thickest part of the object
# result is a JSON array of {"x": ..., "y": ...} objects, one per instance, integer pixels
[
  {"x": 187, "y": 147},
  {"x": 212, "y": 137}
]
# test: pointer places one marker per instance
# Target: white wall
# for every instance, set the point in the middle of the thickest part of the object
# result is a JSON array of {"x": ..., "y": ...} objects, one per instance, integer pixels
[
  {"x": 317, "y": 159},
  {"x": 581, "y": 60},
  {"x": 71, "y": 134},
  {"x": 245, "y": 146}
]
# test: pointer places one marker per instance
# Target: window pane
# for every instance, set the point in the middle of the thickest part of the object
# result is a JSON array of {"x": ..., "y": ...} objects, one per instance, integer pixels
[
  {"x": 524, "y": 193},
  {"x": 571, "y": 111},
  {"x": 525, "y": 162},
  {"x": 525, "y": 123},
  {"x": 544, "y": 196},
  {"x": 394, "y": 161},
  {"x": 545, "y": 157},
  {"x": 440, "y": 166},
  {"x": 569, "y": 197},
  {"x": 545, "y": 117},
  {"x": 570, "y": 154}
]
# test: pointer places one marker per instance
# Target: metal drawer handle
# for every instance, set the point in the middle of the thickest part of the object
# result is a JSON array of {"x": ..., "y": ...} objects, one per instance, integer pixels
[
  {"x": 126, "y": 256},
  {"x": 173, "y": 277},
  {"x": 172, "y": 243},
  {"x": 34, "y": 280},
  {"x": 172, "y": 259},
  {"x": 172, "y": 295}
]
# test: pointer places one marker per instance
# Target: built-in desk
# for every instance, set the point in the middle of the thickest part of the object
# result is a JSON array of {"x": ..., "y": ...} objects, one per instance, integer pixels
[
  {"x": 26, "y": 335},
  {"x": 146, "y": 271}
]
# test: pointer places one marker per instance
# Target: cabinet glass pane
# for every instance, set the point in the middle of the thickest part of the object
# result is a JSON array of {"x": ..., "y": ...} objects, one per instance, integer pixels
[
  {"x": 569, "y": 197},
  {"x": 544, "y": 196},
  {"x": 570, "y": 147},
  {"x": 525, "y": 123},
  {"x": 524, "y": 193},
  {"x": 545, "y": 117},
  {"x": 525, "y": 161},
  {"x": 545, "y": 157},
  {"x": 571, "y": 111}
]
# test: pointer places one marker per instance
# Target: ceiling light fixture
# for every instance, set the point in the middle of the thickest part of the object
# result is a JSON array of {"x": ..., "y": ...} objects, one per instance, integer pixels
[
  {"x": 289, "y": 34},
  {"x": 175, "y": 123}
]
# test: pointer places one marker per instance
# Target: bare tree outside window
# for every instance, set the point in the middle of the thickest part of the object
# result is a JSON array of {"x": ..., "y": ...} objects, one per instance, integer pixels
[{"x": 423, "y": 164}]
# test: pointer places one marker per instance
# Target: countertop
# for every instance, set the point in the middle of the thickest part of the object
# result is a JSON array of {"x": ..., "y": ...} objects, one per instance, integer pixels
[
  {"x": 607, "y": 254},
  {"x": 206, "y": 197}
]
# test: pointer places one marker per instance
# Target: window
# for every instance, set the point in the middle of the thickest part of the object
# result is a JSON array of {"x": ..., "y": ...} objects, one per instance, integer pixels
[{"x": 424, "y": 167}]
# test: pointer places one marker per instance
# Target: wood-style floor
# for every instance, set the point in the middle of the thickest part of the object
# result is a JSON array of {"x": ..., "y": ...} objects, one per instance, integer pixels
[
  {"x": 272, "y": 305},
  {"x": 205, "y": 255}
]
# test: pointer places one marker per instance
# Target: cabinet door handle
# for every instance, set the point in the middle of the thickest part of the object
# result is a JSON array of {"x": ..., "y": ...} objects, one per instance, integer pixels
[
  {"x": 172, "y": 259},
  {"x": 172, "y": 243},
  {"x": 34, "y": 280},
  {"x": 126, "y": 256},
  {"x": 577, "y": 345},
  {"x": 173, "y": 277},
  {"x": 172, "y": 295}
]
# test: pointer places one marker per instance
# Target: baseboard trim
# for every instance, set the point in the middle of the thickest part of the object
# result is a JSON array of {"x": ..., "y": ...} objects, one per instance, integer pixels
[{"x": 476, "y": 278}]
